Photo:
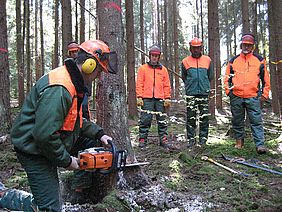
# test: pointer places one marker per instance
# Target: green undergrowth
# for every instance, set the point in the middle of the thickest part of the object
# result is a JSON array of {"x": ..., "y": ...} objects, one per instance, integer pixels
[{"x": 184, "y": 171}]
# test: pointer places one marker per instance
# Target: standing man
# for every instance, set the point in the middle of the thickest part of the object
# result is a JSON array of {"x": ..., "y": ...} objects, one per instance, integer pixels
[
  {"x": 45, "y": 133},
  {"x": 247, "y": 84},
  {"x": 153, "y": 95},
  {"x": 197, "y": 74}
]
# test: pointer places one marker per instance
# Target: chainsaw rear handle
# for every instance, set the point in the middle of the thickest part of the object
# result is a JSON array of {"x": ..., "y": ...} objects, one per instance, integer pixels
[{"x": 114, "y": 161}]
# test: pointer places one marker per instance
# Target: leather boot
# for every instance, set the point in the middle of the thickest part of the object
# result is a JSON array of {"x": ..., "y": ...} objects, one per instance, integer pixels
[{"x": 239, "y": 143}]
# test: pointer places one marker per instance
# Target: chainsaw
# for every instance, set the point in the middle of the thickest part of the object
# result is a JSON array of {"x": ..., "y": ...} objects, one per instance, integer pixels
[{"x": 104, "y": 160}]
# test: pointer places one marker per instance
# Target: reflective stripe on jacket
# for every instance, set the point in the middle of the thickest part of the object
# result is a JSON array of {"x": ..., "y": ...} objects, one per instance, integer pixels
[
  {"x": 246, "y": 76},
  {"x": 60, "y": 76},
  {"x": 197, "y": 74},
  {"x": 153, "y": 82}
]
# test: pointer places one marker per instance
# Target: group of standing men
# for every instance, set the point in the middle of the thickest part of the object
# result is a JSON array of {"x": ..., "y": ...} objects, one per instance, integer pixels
[{"x": 246, "y": 82}]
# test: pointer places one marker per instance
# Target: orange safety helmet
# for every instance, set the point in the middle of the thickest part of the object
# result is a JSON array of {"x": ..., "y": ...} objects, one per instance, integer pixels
[
  {"x": 99, "y": 50},
  {"x": 248, "y": 39},
  {"x": 73, "y": 46},
  {"x": 196, "y": 42},
  {"x": 155, "y": 50}
]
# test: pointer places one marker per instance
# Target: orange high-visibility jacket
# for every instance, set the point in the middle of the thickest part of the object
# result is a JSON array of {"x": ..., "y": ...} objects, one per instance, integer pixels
[
  {"x": 247, "y": 74},
  {"x": 60, "y": 76},
  {"x": 153, "y": 82}
]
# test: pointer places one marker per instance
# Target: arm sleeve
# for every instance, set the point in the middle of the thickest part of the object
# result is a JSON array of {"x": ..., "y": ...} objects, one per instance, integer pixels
[
  {"x": 226, "y": 79},
  {"x": 140, "y": 83},
  {"x": 167, "y": 88},
  {"x": 53, "y": 106},
  {"x": 265, "y": 81},
  {"x": 91, "y": 130},
  {"x": 183, "y": 72}
]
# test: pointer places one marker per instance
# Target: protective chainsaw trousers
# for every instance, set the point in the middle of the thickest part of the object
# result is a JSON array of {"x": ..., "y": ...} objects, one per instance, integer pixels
[
  {"x": 195, "y": 104},
  {"x": 252, "y": 107},
  {"x": 149, "y": 108}
]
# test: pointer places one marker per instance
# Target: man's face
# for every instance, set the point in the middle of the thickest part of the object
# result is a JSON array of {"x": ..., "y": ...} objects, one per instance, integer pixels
[
  {"x": 154, "y": 58},
  {"x": 247, "y": 48},
  {"x": 73, "y": 54},
  {"x": 196, "y": 51}
]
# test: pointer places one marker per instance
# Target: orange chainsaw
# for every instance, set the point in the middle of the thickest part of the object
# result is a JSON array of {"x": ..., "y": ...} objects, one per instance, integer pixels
[{"x": 104, "y": 160}]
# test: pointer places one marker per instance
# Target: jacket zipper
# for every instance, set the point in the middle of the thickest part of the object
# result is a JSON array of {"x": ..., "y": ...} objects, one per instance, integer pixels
[{"x": 154, "y": 83}]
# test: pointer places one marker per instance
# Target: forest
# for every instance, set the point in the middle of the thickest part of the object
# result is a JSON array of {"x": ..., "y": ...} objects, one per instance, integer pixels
[{"x": 34, "y": 39}]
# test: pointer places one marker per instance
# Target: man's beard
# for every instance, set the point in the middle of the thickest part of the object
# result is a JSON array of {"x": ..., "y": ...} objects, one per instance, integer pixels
[{"x": 196, "y": 54}]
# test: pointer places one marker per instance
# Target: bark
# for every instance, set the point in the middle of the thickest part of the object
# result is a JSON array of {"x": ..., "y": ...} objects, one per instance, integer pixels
[
  {"x": 165, "y": 53},
  {"x": 142, "y": 30},
  {"x": 28, "y": 57},
  {"x": 275, "y": 43},
  {"x": 82, "y": 21},
  {"x": 5, "y": 114},
  {"x": 20, "y": 65},
  {"x": 245, "y": 16},
  {"x": 55, "y": 62},
  {"x": 42, "y": 39},
  {"x": 175, "y": 42},
  {"x": 130, "y": 55},
  {"x": 66, "y": 26}
]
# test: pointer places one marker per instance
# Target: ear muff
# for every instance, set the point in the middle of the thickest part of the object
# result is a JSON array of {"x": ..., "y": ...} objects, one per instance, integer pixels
[{"x": 89, "y": 65}]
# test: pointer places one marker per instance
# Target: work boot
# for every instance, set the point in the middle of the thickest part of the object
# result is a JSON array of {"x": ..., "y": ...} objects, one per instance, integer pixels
[
  {"x": 142, "y": 142},
  {"x": 191, "y": 143},
  {"x": 202, "y": 142},
  {"x": 261, "y": 149},
  {"x": 239, "y": 144},
  {"x": 164, "y": 142}
]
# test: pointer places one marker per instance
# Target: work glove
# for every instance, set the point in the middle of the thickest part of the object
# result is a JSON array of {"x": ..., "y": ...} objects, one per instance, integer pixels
[
  {"x": 105, "y": 139},
  {"x": 262, "y": 99},
  {"x": 140, "y": 102},
  {"x": 74, "y": 164},
  {"x": 167, "y": 103}
]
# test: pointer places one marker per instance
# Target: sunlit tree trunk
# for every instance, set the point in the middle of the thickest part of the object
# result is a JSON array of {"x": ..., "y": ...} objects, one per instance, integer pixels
[
  {"x": 175, "y": 44},
  {"x": 55, "y": 62},
  {"x": 66, "y": 26},
  {"x": 245, "y": 16},
  {"x": 130, "y": 55},
  {"x": 142, "y": 30}
]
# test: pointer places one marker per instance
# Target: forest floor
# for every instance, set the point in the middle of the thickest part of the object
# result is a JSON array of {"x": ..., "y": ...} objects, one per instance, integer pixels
[{"x": 179, "y": 180}]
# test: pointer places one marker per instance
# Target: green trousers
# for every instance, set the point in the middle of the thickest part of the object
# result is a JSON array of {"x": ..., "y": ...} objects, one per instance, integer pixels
[
  {"x": 194, "y": 104},
  {"x": 152, "y": 105},
  {"x": 239, "y": 106},
  {"x": 43, "y": 177}
]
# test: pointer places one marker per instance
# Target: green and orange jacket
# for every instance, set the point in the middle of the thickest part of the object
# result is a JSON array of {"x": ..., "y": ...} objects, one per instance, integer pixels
[
  {"x": 197, "y": 74},
  {"x": 247, "y": 76},
  {"x": 153, "y": 82},
  {"x": 50, "y": 122}
]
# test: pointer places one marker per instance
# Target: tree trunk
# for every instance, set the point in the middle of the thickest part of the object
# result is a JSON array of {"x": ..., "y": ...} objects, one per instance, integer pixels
[
  {"x": 28, "y": 57},
  {"x": 275, "y": 43},
  {"x": 255, "y": 23},
  {"x": 245, "y": 16},
  {"x": 211, "y": 35},
  {"x": 82, "y": 21},
  {"x": 66, "y": 26},
  {"x": 130, "y": 55},
  {"x": 165, "y": 50},
  {"x": 5, "y": 115},
  {"x": 175, "y": 44},
  {"x": 234, "y": 26},
  {"x": 111, "y": 112},
  {"x": 142, "y": 30},
  {"x": 55, "y": 62},
  {"x": 20, "y": 65},
  {"x": 42, "y": 39}
]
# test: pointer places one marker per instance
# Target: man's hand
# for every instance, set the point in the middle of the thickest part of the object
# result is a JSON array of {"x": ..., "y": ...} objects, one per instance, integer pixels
[
  {"x": 105, "y": 139},
  {"x": 262, "y": 99},
  {"x": 74, "y": 164},
  {"x": 140, "y": 102},
  {"x": 167, "y": 103}
]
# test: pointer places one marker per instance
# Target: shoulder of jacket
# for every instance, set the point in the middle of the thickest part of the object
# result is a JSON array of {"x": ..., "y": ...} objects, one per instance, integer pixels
[
  {"x": 259, "y": 57},
  {"x": 233, "y": 58}
]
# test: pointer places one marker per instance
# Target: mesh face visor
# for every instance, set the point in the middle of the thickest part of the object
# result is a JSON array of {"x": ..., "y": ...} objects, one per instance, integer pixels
[{"x": 112, "y": 62}]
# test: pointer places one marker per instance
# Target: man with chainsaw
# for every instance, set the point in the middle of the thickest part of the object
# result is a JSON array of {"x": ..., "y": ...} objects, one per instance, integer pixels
[
  {"x": 197, "y": 74},
  {"x": 247, "y": 84},
  {"x": 45, "y": 132},
  {"x": 153, "y": 96}
]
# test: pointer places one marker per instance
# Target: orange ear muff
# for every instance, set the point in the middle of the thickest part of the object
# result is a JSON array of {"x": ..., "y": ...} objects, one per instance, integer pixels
[{"x": 89, "y": 65}]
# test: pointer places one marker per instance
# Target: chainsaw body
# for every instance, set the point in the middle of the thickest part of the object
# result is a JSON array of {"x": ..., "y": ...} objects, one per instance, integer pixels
[{"x": 101, "y": 159}]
